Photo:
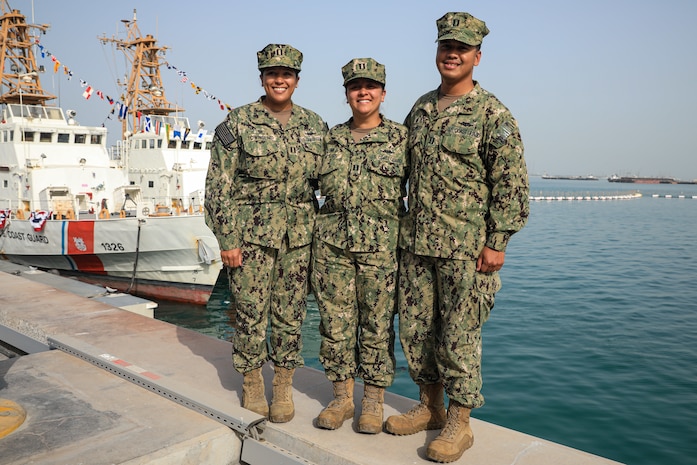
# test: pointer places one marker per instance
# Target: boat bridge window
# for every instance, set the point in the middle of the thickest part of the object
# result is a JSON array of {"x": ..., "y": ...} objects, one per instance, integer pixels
[
  {"x": 186, "y": 144},
  {"x": 36, "y": 111},
  {"x": 172, "y": 144},
  {"x": 151, "y": 184},
  {"x": 80, "y": 138},
  {"x": 53, "y": 113},
  {"x": 96, "y": 139},
  {"x": 152, "y": 143},
  {"x": 197, "y": 145},
  {"x": 28, "y": 136},
  {"x": 45, "y": 137},
  {"x": 63, "y": 138}
]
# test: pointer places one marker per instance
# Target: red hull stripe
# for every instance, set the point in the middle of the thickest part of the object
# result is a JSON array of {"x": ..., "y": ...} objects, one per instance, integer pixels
[
  {"x": 88, "y": 263},
  {"x": 79, "y": 244}
]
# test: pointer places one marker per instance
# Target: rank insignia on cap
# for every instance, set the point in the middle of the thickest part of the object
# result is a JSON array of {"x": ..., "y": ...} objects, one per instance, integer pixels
[
  {"x": 279, "y": 55},
  {"x": 462, "y": 27}
]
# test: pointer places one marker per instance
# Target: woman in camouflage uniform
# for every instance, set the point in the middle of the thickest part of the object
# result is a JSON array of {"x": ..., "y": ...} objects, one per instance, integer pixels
[
  {"x": 354, "y": 269},
  {"x": 260, "y": 203}
]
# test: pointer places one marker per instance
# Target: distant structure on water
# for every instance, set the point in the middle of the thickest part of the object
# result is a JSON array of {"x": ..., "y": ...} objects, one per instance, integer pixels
[
  {"x": 647, "y": 180},
  {"x": 573, "y": 178}
]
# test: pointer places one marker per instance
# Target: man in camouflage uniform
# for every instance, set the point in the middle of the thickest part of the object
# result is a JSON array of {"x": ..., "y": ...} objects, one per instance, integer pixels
[
  {"x": 260, "y": 203},
  {"x": 468, "y": 193},
  {"x": 354, "y": 272}
]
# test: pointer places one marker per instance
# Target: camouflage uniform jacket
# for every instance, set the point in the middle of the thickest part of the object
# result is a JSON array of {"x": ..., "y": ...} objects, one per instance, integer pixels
[
  {"x": 261, "y": 177},
  {"x": 468, "y": 184},
  {"x": 364, "y": 186}
]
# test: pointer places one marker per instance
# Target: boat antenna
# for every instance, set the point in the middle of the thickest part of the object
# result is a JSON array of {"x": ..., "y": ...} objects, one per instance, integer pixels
[
  {"x": 22, "y": 83},
  {"x": 144, "y": 93}
]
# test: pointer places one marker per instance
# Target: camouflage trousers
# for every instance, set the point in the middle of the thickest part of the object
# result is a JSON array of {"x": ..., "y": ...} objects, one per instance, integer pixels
[
  {"x": 355, "y": 292},
  {"x": 270, "y": 285},
  {"x": 443, "y": 304}
]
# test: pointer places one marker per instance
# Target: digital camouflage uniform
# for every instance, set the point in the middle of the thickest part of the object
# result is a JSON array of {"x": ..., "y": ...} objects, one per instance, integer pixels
[
  {"x": 354, "y": 270},
  {"x": 260, "y": 198},
  {"x": 468, "y": 189}
]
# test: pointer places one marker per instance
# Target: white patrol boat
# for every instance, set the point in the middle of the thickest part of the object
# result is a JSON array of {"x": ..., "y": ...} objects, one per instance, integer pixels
[{"x": 68, "y": 204}]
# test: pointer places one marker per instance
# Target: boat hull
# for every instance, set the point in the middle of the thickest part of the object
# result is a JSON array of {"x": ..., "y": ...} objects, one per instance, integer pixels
[{"x": 155, "y": 257}]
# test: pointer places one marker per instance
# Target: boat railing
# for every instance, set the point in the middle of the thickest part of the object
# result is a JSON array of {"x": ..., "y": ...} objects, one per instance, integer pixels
[
  {"x": 65, "y": 212},
  {"x": 175, "y": 207}
]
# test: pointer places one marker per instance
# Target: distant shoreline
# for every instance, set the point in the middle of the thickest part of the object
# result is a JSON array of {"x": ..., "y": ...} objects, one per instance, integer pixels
[
  {"x": 573, "y": 178},
  {"x": 622, "y": 179}
]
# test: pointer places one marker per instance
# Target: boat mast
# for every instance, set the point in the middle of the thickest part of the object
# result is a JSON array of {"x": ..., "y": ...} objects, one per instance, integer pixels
[
  {"x": 144, "y": 93},
  {"x": 20, "y": 75}
]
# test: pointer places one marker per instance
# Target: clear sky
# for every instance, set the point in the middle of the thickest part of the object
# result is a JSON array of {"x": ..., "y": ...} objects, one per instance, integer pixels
[{"x": 598, "y": 87}]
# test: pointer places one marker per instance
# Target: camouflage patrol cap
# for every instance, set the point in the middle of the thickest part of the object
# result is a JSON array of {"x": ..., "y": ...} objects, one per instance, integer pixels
[
  {"x": 279, "y": 55},
  {"x": 462, "y": 27},
  {"x": 363, "y": 68}
]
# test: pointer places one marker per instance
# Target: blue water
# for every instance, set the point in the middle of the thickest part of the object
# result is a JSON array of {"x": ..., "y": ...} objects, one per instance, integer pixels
[{"x": 593, "y": 339}]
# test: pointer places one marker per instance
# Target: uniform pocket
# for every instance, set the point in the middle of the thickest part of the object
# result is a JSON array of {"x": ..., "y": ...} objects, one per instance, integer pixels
[
  {"x": 387, "y": 173},
  {"x": 486, "y": 287},
  {"x": 463, "y": 146},
  {"x": 260, "y": 156}
]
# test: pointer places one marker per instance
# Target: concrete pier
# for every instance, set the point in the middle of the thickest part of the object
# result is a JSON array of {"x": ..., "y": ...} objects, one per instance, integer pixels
[{"x": 119, "y": 387}]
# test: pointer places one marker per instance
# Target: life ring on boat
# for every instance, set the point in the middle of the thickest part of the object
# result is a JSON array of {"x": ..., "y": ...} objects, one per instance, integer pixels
[
  {"x": 20, "y": 214},
  {"x": 103, "y": 214}
]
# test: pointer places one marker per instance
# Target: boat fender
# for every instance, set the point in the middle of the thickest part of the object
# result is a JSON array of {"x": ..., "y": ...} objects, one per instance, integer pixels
[
  {"x": 122, "y": 214},
  {"x": 103, "y": 214},
  {"x": 70, "y": 214},
  {"x": 205, "y": 253},
  {"x": 20, "y": 214}
]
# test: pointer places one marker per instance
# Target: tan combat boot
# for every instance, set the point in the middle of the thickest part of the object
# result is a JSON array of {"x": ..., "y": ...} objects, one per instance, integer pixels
[
  {"x": 428, "y": 414},
  {"x": 341, "y": 408},
  {"x": 253, "y": 397},
  {"x": 455, "y": 438},
  {"x": 370, "y": 421},
  {"x": 282, "y": 408}
]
